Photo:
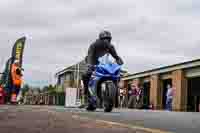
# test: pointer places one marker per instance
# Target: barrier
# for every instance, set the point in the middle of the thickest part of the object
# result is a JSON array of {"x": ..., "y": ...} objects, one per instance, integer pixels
[
  {"x": 71, "y": 97},
  {"x": 45, "y": 99}
]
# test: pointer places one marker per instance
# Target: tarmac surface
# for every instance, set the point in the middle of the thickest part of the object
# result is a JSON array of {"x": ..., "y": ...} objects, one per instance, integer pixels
[
  {"x": 177, "y": 122},
  {"x": 44, "y": 119},
  {"x": 51, "y": 119}
]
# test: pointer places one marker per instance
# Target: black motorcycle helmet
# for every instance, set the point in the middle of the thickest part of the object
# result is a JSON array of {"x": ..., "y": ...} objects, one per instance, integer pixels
[{"x": 105, "y": 35}]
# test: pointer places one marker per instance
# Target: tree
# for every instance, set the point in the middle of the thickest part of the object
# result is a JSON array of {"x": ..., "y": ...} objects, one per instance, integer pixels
[
  {"x": 50, "y": 89},
  {"x": 37, "y": 90},
  {"x": 25, "y": 89},
  {"x": 44, "y": 89}
]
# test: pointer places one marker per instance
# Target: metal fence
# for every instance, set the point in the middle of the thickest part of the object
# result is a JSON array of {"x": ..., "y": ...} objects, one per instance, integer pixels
[{"x": 45, "y": 99}]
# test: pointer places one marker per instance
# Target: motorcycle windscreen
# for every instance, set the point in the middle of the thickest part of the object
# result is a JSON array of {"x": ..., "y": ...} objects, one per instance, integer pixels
[
  {"x": 107, "y": 65},
  {"x": 106, "y": 59}
]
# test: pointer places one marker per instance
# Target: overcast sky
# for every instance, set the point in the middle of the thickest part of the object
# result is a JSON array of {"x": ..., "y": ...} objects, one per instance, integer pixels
[{"x": 146, "y": 33}]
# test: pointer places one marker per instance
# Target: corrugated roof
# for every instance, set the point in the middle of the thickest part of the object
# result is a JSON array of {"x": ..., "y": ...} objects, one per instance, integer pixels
[
  {"x": 162, "y": 68},
  {"x": 82, "y": 68}
]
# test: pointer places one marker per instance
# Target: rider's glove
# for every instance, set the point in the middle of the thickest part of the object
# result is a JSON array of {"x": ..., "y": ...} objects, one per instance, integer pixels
[
  {"x": 119, "y": 61},
  {"x": 91, "y": 68}
]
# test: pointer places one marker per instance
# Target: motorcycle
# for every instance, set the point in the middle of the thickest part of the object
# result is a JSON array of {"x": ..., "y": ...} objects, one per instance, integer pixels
[{"x": 103, "y": 83}]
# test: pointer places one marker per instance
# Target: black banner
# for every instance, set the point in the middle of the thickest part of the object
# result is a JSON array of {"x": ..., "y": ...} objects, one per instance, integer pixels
[
  {"x": 6, "y": 76},
  {"x": 17, "y": 54},
  {"x": 18, "y": 49}
]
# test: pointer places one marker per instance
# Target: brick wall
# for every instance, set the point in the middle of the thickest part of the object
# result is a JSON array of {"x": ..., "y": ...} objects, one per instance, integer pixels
[
  {"x": 179, "y": 83},
  {"x": 155, "y": 89}
]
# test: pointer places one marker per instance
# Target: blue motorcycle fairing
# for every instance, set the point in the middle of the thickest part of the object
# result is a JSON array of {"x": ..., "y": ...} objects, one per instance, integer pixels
[
  {"x": 114, "y": 77},
  {"x": 110, "y": 69}
]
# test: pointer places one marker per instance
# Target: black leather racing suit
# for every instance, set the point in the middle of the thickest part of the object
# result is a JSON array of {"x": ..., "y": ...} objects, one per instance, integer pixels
[{"x": 97, "y": 49}]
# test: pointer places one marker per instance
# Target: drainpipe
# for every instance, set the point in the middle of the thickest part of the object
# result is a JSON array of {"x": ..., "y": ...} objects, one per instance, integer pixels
[{"x": 78, "y": 95}]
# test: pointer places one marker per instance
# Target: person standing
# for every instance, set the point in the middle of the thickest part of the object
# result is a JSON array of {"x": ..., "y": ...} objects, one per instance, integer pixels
[
  {"x": 139, "y": 97},
  {"x": 16, "y": 74},
  {"x": 169, "y": 97},
  {"x": 82, "y": 96},
  {"x": 123, "y": 93},
  {"x": 132, "y": 98},
  {"x": 125, "y": 97},
  {"x": 135, "y": 100}
]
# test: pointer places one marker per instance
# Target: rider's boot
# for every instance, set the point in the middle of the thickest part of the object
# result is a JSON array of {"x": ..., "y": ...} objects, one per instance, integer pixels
[{"x": 92, "y": 103}]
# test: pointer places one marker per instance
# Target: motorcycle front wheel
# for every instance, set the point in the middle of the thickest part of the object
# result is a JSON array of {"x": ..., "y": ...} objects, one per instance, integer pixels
[{"x": 109, "y": 92}]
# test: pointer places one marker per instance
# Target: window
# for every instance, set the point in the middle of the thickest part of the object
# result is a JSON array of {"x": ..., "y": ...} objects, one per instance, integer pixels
[
  {"x": 62, "y": 80},
  {"x": 67, "y": 76}
]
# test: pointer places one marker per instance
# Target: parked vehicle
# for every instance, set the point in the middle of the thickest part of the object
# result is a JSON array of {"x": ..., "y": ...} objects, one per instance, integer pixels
[{"x": 2, "y": 95}]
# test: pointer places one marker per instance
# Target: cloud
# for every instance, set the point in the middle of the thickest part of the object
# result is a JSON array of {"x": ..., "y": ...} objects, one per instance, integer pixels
[{"x": 147, "y": 34}]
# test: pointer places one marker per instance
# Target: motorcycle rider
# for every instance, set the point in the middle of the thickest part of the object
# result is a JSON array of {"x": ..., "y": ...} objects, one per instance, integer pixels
[{"x": 98, "y": 49}]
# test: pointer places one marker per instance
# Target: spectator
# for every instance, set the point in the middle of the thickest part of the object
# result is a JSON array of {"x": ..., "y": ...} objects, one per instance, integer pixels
[
  {"x": 135, "y": 100},
  {"x": 129, "y": 91},
  {"x": 82, "y": 96},
  {"x": 169, "y": 97},
  {"x": 121, "y": 97},
  {"x": 131, "y": 96},
  {"x": 125, "y": 97},
  {"x": 123, "y": 94},
  {"x": 16, "y": 74},
  {"x": 139, "y": 97}
]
